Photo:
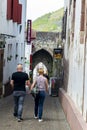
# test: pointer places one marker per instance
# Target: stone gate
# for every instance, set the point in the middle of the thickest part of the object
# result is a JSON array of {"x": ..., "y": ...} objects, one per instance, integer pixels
[{"x": 42, "y": 48}]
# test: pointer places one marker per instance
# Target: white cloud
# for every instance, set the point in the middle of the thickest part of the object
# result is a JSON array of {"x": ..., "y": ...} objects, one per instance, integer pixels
[{"x": 37, "y": 8}]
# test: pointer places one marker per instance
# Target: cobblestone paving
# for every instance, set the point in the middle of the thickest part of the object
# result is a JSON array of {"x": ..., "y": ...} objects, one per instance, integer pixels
[{"x": 53, "y": 116}]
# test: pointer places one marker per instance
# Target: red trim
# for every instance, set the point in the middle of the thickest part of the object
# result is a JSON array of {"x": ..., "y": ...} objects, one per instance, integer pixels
[
  {"x": 15, "y": 10},
  {"x": 19, "y": 13},
  {"x": 30, "y": 58},
  {"x": 30, "y": 61},
  {"x": 9, "y": 9}
]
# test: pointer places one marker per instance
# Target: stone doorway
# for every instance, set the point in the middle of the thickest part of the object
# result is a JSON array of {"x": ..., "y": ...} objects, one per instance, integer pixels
[{"x": 44, "y": 57}]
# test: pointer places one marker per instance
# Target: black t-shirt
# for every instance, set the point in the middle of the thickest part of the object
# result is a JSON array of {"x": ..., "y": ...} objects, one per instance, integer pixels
[{"x": 19, "y": 79}]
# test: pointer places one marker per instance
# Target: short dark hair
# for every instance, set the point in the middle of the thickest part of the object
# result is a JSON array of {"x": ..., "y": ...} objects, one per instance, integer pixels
[{"x": 19, "y": 64}]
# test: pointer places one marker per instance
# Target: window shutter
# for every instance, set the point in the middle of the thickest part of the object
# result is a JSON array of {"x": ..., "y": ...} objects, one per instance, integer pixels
[
  {"x": 15, "y": 10},
  {"x": 9, "y": 9},
  {"x": 19, "y": 17}
]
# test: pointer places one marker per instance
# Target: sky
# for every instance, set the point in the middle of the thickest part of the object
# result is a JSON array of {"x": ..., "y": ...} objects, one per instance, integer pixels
[{"x": 37, "y": 8}]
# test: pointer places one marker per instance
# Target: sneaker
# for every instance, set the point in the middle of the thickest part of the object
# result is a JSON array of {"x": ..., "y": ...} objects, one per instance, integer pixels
[
  {"x": 35, "y": 117},
  {"x": 20, "y": 119},
  {"x": 40, "y": 120},
  {"x": 15, "y": 115}
]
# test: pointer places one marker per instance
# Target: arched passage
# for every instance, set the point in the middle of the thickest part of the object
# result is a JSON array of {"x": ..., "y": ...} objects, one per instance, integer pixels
[{"x": 44, "y": 57}]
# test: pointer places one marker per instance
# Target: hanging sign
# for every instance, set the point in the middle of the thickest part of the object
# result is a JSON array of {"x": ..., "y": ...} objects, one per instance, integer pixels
[
  {"x": 58, "y": 53},
  {"x": 28, "y": 31}
]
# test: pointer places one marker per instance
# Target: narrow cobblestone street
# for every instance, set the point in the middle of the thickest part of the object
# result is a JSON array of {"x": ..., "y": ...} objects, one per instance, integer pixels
[{"x": 53, "y": 116}]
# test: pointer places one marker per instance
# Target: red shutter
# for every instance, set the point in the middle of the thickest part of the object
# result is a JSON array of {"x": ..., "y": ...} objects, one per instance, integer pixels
[
  {"x": 9, "y": 9},
  {"x": 19, "y": 13},
  {"x": 15, "y": 10},
  {"x": 30, "y": 61}
]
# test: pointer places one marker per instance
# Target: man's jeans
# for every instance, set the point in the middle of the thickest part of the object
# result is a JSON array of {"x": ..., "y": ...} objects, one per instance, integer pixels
[
  {"x": 18, "y": 104},
  {"x": 39, "y": 101}
]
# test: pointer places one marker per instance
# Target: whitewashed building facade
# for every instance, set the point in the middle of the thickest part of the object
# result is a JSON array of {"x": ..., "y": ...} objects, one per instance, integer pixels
[
  {"x": 12, "y": 36},
  {"x": 75, "y": 62}
]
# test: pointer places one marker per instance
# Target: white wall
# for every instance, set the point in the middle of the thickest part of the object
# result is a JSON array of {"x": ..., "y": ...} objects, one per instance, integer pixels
[
  {"x": 74, "y": 53},
  {"x": 6, "y": 27},
  {"x": 27, "y": 55},
  {"x": 17, "y": 44},
  {"x": 76, "y": 61},
  {"x": 85, "y": 84}
]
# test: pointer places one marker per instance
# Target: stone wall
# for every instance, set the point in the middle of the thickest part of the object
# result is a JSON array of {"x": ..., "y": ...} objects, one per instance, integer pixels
[
  {"x": 43, "y": 49},
  {"x": 46, "y": 40}
]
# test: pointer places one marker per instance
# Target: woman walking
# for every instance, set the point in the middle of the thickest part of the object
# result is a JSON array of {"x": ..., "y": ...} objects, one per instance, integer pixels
[{"x": 42, "y": 86}]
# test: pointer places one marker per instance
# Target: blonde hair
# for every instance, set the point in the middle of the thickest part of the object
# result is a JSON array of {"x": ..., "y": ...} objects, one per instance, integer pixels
[{"x": 41, "y": 71}]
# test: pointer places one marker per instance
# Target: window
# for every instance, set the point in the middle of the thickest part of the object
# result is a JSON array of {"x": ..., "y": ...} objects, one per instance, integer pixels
[{"x": 83, "y": 16}]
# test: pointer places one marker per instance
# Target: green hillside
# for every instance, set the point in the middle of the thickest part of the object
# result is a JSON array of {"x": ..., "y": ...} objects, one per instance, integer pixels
[{"x": 50, "y": 22}]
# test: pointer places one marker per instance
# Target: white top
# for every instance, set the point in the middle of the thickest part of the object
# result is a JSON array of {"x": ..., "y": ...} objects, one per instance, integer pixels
[{"x": 41, "y": 83}]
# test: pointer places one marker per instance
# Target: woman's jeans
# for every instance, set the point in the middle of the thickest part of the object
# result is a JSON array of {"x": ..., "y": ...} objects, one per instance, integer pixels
[
  {"x": 18, "y": 104},
  {"x": 39, "y": 101}
]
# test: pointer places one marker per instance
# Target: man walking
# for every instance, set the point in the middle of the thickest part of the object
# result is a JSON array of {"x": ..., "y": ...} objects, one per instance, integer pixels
[{"x": 18, "y": 82}]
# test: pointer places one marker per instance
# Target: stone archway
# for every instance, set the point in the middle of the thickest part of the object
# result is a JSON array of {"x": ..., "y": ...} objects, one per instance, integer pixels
[{"x": 44, "y": 57}]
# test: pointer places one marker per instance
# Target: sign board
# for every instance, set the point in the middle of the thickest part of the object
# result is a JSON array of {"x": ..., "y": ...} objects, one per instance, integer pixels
[
  {"x": 28, "y": 31},
  {"x": 58, "y": 53}
]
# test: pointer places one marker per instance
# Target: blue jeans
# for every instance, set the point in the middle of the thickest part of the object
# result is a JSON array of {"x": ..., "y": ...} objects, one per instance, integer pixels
[
  {"x": 18, "y": 105},
  {"x": 39, "y": 101}
]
